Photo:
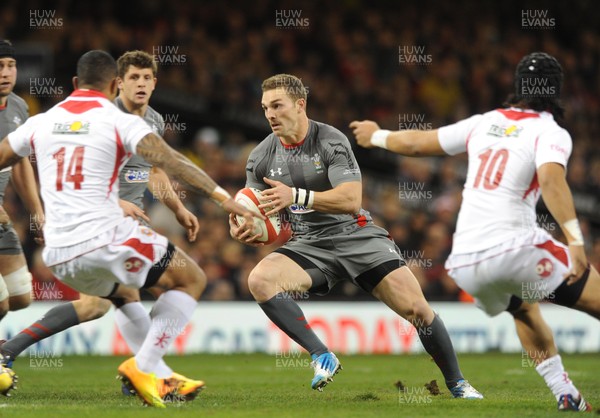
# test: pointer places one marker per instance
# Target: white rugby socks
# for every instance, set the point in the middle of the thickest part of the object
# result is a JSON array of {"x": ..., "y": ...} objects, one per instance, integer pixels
[
  {"x": 134, "y": 323},
  {"x": 170, "y": 314},
  {"x": 556, "y": 378}
]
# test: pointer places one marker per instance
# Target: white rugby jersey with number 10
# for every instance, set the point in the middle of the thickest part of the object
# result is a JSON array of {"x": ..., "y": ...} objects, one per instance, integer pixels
[
  {"x": 80, "y": 145},
  {"x": 505, "y": 148}
]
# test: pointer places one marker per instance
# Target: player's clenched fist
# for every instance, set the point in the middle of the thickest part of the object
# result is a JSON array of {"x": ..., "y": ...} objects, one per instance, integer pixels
[{"x": 363, "y": 131}]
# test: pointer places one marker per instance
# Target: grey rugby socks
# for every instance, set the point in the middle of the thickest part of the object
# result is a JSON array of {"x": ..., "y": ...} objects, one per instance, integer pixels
[{"x": 284, "y": 312}]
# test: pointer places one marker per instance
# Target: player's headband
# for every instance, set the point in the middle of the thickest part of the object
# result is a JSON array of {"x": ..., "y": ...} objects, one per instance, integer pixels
[{"x": 6, "y": 50}]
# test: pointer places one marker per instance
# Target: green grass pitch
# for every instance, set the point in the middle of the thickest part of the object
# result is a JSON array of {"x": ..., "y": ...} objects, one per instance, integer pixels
[{"x": 260, "y": 385}]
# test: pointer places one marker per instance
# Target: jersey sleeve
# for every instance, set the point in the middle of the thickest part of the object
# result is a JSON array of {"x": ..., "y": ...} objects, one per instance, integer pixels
[
  {"x": 553, "y": 147},
  {"x": 341, "y": 162},
  {"x": 160, "y": 124},
  {"x": 131, "y": 129},
  {"x": 255, "y": 169},
  {"x": 20, "y": 139},
  {"x": 453, "y": 138}
]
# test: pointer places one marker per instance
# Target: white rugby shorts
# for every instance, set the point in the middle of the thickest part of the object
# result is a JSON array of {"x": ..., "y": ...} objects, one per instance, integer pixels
[
  {"x": 124, "y": 254},
  {"x": 530, "y": 267}
]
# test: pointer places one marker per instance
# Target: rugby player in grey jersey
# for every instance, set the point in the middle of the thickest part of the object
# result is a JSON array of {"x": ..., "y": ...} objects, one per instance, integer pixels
[
  {"x": 15, "y": 279},
  {"x": 137, "y": 79},
  {"x": 308, "y": 169}
]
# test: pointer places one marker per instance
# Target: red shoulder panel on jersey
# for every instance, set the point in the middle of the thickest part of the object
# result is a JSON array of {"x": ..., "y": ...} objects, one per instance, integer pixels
[
  {"x": 79, "y": 106},
  {"x": 516, "y": 115}
]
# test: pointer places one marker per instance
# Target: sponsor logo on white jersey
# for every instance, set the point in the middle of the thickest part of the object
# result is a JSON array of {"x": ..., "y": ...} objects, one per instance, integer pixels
[
  {"x": 511, "y": 131},
  {"x": 71, "y": 128}
]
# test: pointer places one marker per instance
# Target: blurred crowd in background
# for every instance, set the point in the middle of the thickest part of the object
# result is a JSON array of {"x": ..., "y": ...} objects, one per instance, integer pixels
[{"x": 403, "y": 64}]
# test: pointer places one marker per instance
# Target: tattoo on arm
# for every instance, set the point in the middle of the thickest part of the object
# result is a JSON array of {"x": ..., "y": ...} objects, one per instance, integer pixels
[{"x": 155, "y": 150}]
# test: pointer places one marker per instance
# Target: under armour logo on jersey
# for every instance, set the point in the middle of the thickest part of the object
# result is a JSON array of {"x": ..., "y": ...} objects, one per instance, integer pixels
[
  {"x": 278, "y": 171},
  {"x": 17, "y": 120}
]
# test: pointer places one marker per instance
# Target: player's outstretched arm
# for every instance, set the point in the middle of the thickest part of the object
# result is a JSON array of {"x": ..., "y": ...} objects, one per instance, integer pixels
[
  {"x": 7, "y": 156},
  {"x": 26, "y": 187},
  {"x": 412, "y": 143},
  {"x": 559, "y": 201},
  {"x": 161, "y": 187},
  {"x": 155, "y": 150}
]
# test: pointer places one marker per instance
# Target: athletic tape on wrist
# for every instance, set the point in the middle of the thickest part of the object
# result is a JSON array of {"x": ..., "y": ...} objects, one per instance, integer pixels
[
  {"x": 379, "y": 138},
  {"x": 311, "y": 199},
  {"x": 572, "y": 227},
  {"x": 222, "y": 192}
]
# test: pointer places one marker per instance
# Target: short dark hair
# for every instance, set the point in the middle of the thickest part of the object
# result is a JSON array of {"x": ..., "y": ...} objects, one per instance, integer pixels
[
  {"x": 290, "y": 84},
  {"x": 96, "y": 69},
  {"x": 538, "y": 83},
  {"x": 6, "y": 49},
  {"x": 139, "y": 59}
]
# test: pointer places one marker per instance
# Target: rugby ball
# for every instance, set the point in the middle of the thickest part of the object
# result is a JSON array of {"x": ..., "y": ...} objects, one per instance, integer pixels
[{"x": 269, "y": 230}]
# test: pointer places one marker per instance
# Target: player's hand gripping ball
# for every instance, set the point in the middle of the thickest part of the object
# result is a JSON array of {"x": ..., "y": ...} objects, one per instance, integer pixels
[
  {"x": 269, "y": 230},
  {"x": 8, "y": 378}
]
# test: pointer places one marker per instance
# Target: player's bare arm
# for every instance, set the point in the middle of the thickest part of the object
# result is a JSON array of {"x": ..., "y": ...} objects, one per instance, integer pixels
[
  {"x": 161, "y": 187},
  {"x": 25, "y": 186},
  {"x": 344, "y": 198},
  {"x": 559, "y": 201},
  {"x": 7, "y": 156},
  {"x": 156, "y": 151},
  {"x": 413, "y": 143}
]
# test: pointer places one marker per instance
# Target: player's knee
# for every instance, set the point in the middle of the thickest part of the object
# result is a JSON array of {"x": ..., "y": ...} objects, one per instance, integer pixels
[
  {"x": 198, "y": 284},
  {"x": 260, "y": 285},
  {"x": 19, "y": 302},
  {"x": 3, "y": 308},
  {"x": 419, "y": 313},
  {"x": 91, "y": 308}
]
